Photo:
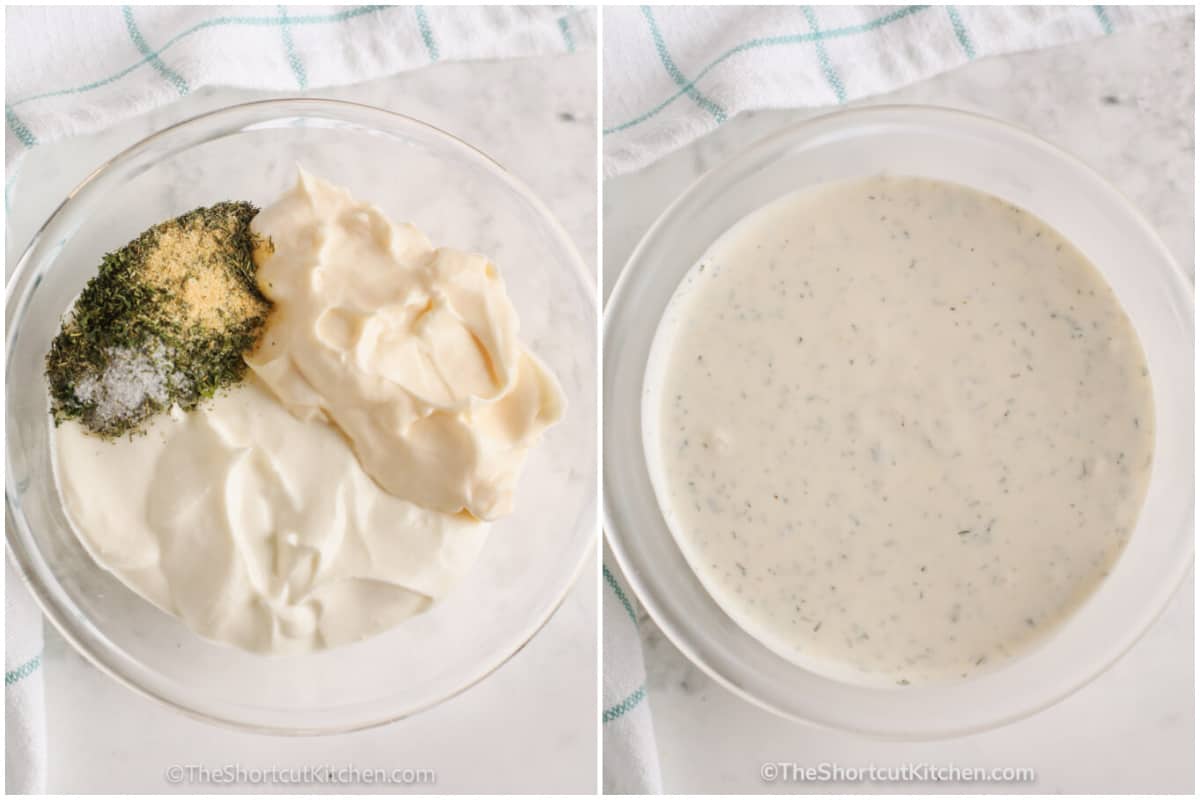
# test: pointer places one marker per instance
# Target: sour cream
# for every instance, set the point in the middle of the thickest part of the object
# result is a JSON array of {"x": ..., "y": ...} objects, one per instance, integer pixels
[
  {"x": 903, "y": 429},
  {"x": 256, "y": 528}
]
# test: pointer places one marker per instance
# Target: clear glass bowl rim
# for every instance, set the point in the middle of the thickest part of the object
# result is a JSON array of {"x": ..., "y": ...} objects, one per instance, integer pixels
[{"x": 235, "y": 118}]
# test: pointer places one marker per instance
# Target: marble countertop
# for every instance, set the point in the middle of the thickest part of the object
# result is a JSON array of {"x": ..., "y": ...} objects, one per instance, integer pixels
[
  {"x": 529, "y": 727},
  {"x": 1125, "y": 104}
]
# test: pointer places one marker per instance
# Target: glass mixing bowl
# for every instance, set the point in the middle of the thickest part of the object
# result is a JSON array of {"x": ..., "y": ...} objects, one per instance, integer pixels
[
  {"x": 995, "y": 158},
  {"x": 459, "y": 197}
]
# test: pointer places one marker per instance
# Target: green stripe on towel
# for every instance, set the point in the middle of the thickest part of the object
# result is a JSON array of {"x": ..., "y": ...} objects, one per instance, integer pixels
[
  {"x": 135, "y": 35},
  {"x": 568, "y": 38},
  {"x": 688, "y": 87},
  {"x": 611, "y": 580},
  {"x": 625, "y": 706},
  {"x": 23, "y": 134},
  {"x": 960, "y": 32},
  {"x": 289, "y": 50},
  {"x": 831, "y": 75},
  {"x": 22, "y": 672},
  {"x": 427, "y": 34}
]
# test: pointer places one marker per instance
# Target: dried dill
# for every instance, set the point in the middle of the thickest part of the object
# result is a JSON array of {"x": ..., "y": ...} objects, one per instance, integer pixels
[{"x": 165, "y": 321}]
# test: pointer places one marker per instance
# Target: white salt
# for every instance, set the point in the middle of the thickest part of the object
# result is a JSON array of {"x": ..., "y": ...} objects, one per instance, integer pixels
[{"x": 131, "y": 378}]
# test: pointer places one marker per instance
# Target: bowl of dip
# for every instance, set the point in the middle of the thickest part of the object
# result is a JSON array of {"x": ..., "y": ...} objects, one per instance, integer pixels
[
  {"x": 411, "y": 172},
  {"x": 901, "y": 444}
]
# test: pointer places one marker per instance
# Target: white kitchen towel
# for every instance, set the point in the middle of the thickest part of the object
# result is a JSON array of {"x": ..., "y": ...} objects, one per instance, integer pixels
[
  {"x": 630, "y": 754},
  {"x": 77, "y": 70},
  {"x": 24, "y": 690},
  {"x": 672, "y": 74}
]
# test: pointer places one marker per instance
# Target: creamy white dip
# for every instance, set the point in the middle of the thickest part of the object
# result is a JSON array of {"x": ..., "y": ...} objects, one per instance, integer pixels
[{"x": 903, "y": 428}]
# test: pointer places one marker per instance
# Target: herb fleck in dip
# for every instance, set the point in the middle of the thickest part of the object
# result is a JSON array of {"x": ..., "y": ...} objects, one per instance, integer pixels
[{"x": 906, "y": 428}]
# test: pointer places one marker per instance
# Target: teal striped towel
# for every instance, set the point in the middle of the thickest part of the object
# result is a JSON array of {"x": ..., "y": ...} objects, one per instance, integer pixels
[
  {"x": 674, "y": 74},
  {"x": 78, "y": 70},
  {"x": 630, "y": 753},
  {"x": 24, "y": 689}
]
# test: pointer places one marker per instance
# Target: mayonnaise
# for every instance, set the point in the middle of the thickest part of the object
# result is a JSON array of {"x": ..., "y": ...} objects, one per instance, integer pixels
[{"x": 412, "y": 352}]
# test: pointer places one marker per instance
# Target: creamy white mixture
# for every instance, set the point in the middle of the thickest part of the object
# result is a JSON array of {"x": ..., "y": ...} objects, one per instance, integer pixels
[
  {"x": 904, "y": 428},
  {"x": 345, "y": 485}
]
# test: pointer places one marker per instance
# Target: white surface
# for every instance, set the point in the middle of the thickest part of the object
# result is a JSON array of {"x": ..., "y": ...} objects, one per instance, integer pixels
[
  {"x": 1125, "y": 105},
  {"x": 531, "y": 726}
]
